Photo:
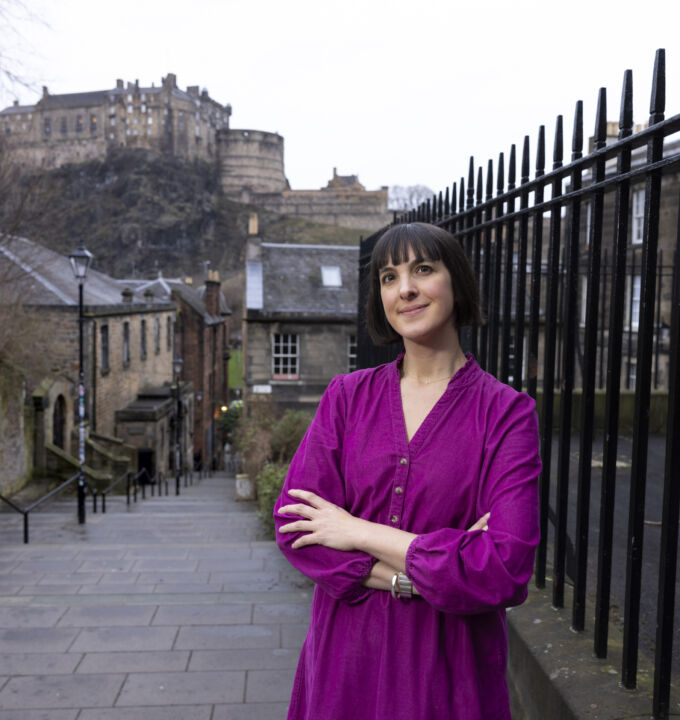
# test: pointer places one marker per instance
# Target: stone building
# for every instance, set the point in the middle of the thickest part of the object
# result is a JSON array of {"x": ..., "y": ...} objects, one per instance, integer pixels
[
  {"x": 202, "y": 341},
  {"x": 668, "y": 218},
  {"x": 128, "y": 342},
  {"x": 75, "y": 127},
  {"x": 252, "y": 171},
  {"x": 299, "y": 327}
]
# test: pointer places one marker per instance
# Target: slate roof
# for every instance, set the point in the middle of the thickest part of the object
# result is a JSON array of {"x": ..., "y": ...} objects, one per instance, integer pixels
[
  {"x": 17, "y": 110},
  {"x": 46, "y": 278},
  {"x": 81, "y": 99},
  {"x": 291, "y": 279},
  {"x": 162, "y": 289}
]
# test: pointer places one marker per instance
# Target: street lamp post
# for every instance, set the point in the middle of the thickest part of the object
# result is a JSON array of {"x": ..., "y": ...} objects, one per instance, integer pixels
[
  {"x": 177, "y": 371},
  {"x": 80, "y": 263}
]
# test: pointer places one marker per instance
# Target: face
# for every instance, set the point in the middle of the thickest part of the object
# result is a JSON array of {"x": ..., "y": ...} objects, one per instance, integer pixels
[{"x": 418, "y": 299}]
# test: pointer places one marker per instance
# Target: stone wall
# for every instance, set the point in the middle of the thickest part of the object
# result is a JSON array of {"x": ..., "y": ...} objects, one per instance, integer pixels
[
  {"x": 76, "y": 127},
  {"x": 323, "y": 353},
  {"x": 15, "y": 433}
]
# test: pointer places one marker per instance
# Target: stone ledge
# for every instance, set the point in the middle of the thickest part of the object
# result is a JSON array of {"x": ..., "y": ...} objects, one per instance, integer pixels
[{"x": 553, "y": 673}]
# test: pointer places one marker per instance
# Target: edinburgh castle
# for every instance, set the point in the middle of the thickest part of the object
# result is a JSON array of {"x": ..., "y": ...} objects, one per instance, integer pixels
[{"x": 189, "y": 124}]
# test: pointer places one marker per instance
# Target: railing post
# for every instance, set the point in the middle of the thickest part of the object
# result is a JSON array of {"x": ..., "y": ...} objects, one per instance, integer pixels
[
  {"x": 81, "y": 498},
  {"x": 94, "y": 500},
  {"x": 25, "y": 528}
]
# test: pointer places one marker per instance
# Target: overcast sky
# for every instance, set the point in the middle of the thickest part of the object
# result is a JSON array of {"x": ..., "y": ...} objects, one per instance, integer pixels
[{"x": 397, "y": 92}]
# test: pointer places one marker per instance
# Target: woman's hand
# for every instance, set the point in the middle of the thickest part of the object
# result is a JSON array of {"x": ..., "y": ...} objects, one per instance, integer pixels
[
  {"x": 481, "y": 524},
  {"x": 325, "y": 523}
]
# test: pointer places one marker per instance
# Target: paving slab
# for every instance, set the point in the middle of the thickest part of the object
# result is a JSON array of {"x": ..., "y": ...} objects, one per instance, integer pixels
[
  {"x": 203, "y": 615},
  {"x": 187, "y": 688},
  {"x": 251, "y": 711},
  {"x": 269, "y": 685},
  {"x": 38, "y": 714},
  {"x": 37, "y": 639},
  {"x": 14, "y": 617},
  {"x": 107, "y": 616},
  {"x": 183, "y": 712},
  {"x": 124, "y": 638},
  {"x": 60, "y": 691},
  {"x": 38, "y": 663},
  {"x": 143, "y": 661},
  {"x": 171, "y": 609},
  {"x": 249, "y": 659},
  {"x": 220, "y": 637}
]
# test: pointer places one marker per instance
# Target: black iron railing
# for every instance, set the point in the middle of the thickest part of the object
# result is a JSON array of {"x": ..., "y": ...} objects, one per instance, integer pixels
[
  {"x": 37, "y": 503},
  {"x": 576, "y": 289}
]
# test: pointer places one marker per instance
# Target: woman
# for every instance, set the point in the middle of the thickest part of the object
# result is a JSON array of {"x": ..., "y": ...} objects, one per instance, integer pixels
[{"x": 412, "y": 504}]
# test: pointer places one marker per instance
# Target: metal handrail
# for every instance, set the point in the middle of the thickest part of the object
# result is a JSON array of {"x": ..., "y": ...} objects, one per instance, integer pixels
[
  {"x": 125, "y": 475},
  {"x": 25, "y": 511}
]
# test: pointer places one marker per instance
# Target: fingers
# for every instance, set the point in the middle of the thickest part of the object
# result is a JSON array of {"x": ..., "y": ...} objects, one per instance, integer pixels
[
  {"x": 305, "y": 511},
  {"x": 481, "y": 524},
  {"x": 298, "y": 526},
  {"x": 309, "y": 497}
]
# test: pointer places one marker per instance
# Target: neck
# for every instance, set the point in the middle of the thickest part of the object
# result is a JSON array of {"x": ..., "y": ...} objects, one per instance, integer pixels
[{"x": 426, "y": 364}]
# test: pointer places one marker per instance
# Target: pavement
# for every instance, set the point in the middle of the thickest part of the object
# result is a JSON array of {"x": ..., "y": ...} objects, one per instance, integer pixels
[{"x": 172, "y": 608}]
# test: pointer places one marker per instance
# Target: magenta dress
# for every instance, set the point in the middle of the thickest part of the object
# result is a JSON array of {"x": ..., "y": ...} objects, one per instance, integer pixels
[{"x": 441, "y": 656}]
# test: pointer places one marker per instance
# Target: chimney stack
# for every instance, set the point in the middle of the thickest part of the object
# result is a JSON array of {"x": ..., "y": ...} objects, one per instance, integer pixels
[{"x": 212, "y": 293}]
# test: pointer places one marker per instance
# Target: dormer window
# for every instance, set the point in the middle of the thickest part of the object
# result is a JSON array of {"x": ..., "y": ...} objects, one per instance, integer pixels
[{"x": 331, "y": 276}]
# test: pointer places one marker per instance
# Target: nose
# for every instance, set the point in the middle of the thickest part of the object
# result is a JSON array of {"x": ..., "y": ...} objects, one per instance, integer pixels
[{"x": 407, "y": 288}]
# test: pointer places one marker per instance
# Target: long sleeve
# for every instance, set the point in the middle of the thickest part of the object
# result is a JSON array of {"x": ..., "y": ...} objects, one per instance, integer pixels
[
  {"x": 471, "y": 572},
  {"x": 316, "y": 466}
]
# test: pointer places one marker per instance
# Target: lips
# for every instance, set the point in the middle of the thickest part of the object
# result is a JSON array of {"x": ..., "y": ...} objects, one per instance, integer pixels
[{"x": 413, "y": 310}]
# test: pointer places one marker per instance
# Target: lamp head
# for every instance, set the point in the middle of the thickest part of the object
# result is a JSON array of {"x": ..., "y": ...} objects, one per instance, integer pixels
[{"x": 80, "y": 262}]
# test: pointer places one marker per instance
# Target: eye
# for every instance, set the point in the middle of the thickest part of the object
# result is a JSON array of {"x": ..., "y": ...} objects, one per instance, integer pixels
[
  {"x": 424, "y": 269},
  {"x": 386, "y": 278}
]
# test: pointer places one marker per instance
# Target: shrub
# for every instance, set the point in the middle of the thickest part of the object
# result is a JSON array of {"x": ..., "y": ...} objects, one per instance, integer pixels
[
  {"x": 287, "y": 434},
  {"x": 269, "y": 483}
]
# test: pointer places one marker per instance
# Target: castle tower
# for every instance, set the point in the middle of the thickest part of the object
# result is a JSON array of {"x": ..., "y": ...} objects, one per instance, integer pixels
[{"x": 251, "y": 163}]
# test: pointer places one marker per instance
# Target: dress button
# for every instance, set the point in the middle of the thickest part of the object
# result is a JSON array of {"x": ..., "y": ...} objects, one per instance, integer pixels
[
  {"x": 394, "y": 518},
  {"x": 398, "y": 490},
  {"x": 403, "y": 461}
]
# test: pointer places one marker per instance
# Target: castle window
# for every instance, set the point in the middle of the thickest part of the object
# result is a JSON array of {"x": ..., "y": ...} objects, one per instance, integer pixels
[
  {"x": 157, "y": 336},
  {"x": 129, "y": 108},
  {"x": 149, "y": 120},
  {"x": 142, "y": 338},
  {"x": 143, "y": 108},
  {"x": 129, "y": 97},
  {"x": 47, "y": 127},
  {"x": 113, "y": 121},
  {"x": 168, "y": 334},
  {"x": 105, "y": 347},
  {"x": 143, "y": 97},
  {"x": 79, "y": 124},
  {"x": 64, "y": 126},
  {"x": 93, "y": 124},
  {"x": 126, "y": 344}
]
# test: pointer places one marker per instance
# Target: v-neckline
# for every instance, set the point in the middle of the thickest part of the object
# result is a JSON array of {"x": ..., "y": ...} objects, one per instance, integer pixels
[{"x": 430, "y": 419}]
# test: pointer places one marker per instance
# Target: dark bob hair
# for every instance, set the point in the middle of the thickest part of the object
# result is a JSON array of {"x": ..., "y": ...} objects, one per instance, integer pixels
[{"x": 428, "y": 242}]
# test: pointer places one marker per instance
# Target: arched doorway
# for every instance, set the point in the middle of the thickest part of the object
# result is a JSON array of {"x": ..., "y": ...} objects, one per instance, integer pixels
[{"x": 59, "y": 422}]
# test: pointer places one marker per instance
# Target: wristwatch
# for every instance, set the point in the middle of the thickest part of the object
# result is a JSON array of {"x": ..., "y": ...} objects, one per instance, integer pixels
[{"x": 402, "y": 587}]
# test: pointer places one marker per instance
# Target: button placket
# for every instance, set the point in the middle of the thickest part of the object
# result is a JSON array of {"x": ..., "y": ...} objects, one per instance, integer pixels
[{"x": 397, "y": 502}]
